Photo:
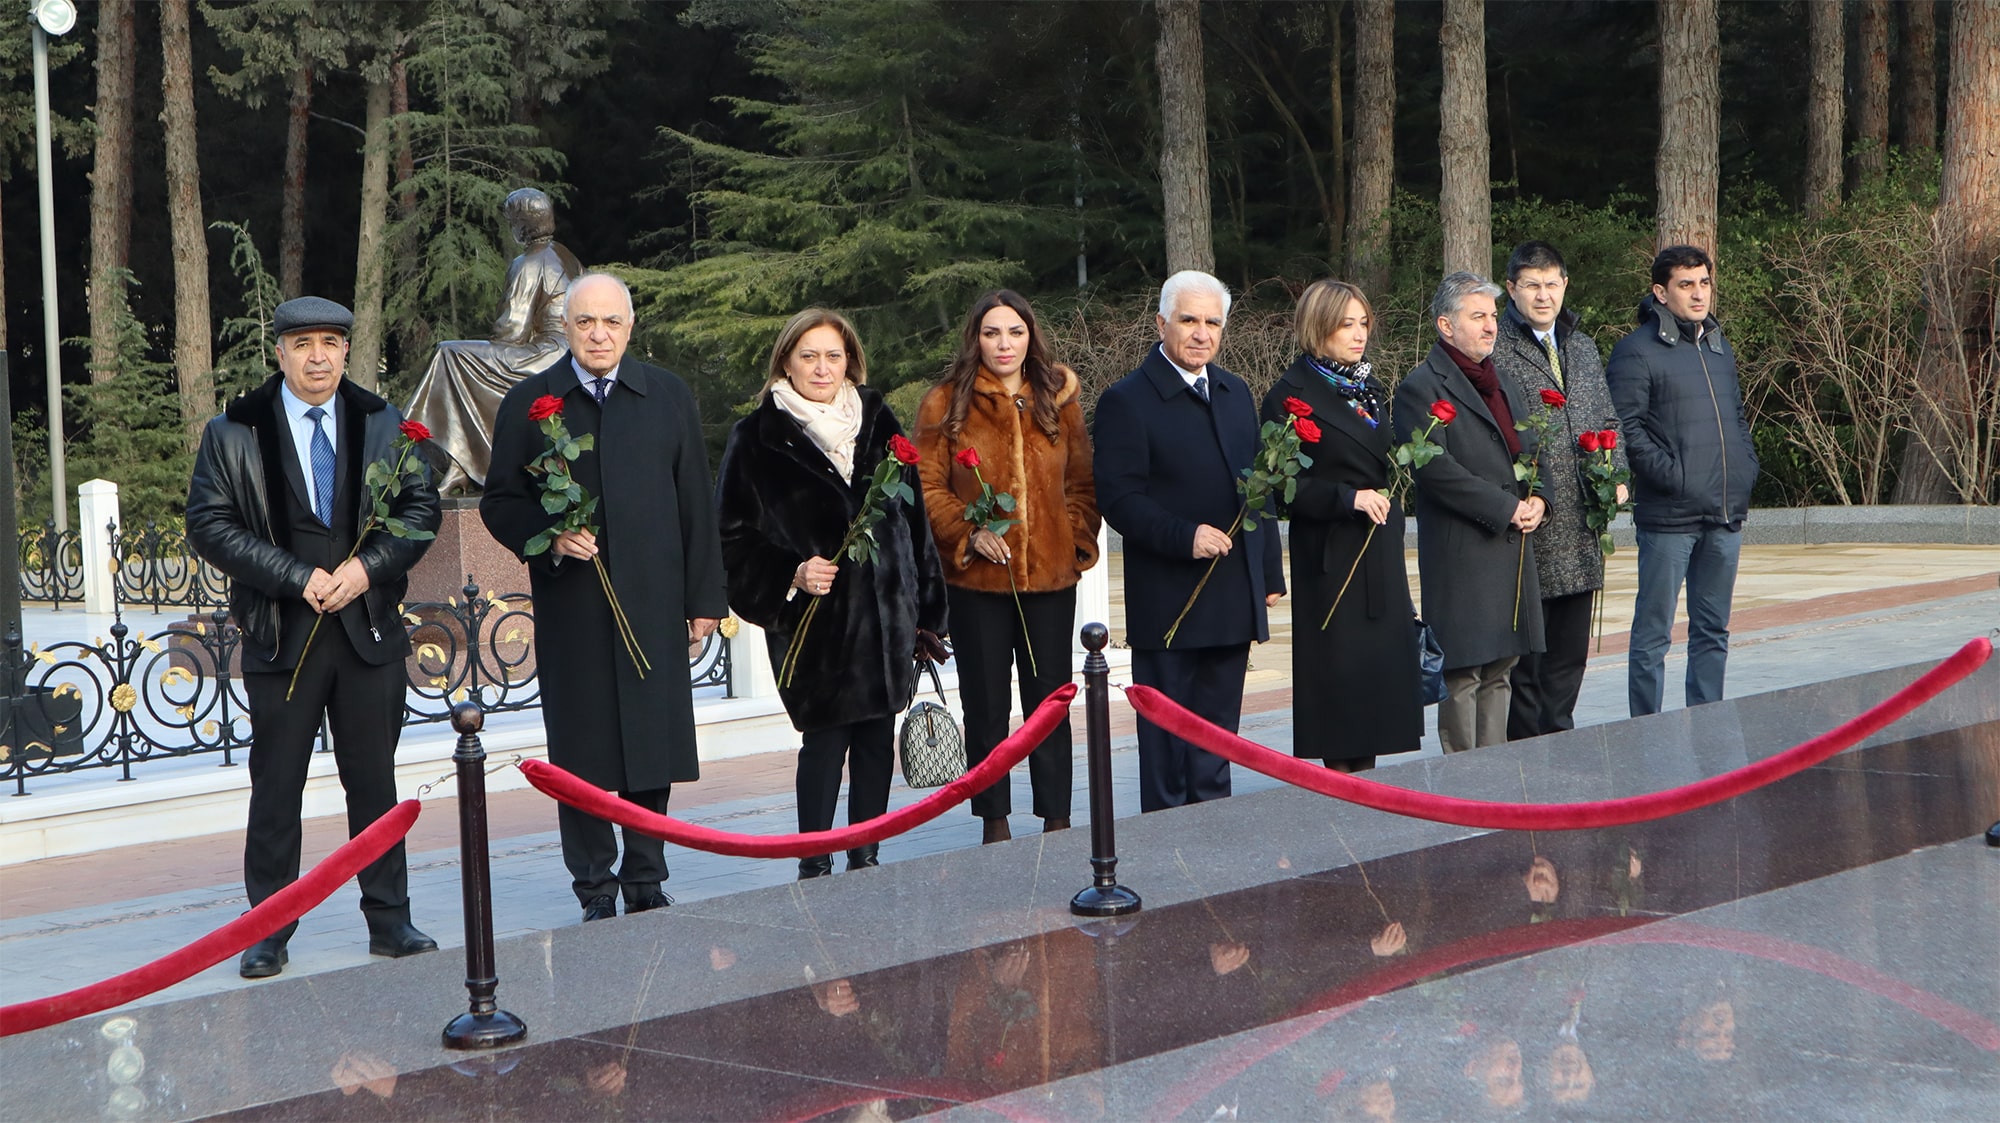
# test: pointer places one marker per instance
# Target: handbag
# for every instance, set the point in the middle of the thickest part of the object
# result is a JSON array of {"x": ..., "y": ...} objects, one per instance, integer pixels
[
  {"x": 1430, "y": 665},
  {"x": 930, "y": 746}
]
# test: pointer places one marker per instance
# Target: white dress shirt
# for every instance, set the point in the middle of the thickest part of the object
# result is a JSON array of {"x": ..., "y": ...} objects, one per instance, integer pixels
[{"x": 1187, "y": 376}]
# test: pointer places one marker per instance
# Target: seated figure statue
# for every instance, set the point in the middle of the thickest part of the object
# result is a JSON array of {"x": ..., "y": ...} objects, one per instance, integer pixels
[{"x": 461, "y": 391}]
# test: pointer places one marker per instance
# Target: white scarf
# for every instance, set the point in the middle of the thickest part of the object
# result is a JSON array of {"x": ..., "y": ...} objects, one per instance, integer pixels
[{"x": 833, "y": 426}]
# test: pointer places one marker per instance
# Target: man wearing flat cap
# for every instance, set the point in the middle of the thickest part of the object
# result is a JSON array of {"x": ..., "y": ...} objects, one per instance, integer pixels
[{"x": 276, "y": 502}]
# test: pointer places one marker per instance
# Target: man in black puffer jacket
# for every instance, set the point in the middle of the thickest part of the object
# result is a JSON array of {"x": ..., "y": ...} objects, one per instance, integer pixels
[
  {"x": 278, "y": 497},
  {"x": 1673, "y": 382}
]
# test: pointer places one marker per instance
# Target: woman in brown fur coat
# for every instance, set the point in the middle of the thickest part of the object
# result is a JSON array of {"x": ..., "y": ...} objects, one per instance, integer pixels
[{"x": 1006, "y": 408}]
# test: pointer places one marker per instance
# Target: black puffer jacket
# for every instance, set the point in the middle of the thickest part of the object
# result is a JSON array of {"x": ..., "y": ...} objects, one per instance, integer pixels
[
  {"x": 229, "y": 518},
  {"x": 1682, "y": 415}
]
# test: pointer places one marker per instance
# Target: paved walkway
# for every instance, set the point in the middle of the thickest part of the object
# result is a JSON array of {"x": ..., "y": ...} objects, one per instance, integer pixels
[{"x": 1803, "y": 614}]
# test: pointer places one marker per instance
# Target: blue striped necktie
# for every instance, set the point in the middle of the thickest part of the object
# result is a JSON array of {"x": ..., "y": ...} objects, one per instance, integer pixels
[{"x": 322, "y": 461}]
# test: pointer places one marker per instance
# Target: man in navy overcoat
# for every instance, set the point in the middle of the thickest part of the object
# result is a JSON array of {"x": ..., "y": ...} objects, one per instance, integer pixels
[{"x": 1172, "y": 439}]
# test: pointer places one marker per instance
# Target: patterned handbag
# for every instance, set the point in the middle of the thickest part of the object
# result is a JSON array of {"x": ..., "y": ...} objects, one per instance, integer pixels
[{"x": 930, "y": 745}]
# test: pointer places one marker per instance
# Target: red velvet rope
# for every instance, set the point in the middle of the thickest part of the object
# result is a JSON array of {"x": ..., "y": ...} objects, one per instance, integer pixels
[
  {"x": 1173, "y": 718},
  {"x": 565, "y": 787},
  {"x": 276, "y": 911}
]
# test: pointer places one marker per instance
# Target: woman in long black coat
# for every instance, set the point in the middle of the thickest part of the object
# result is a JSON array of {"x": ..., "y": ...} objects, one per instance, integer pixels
[
  {"x": 1355, "y": 690},
  {"x": 793, "y": 478}
]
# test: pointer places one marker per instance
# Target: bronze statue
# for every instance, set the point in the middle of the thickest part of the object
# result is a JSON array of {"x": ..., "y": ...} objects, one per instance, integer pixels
[{"x": 461, "y": 391}]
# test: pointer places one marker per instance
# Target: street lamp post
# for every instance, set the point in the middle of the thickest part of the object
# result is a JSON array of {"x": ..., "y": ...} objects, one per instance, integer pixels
[{"x": 52, "y": 17}]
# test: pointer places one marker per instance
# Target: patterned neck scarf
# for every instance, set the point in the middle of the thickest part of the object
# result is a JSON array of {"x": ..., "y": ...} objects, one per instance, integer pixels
[{"x": 1353, "y": 385}]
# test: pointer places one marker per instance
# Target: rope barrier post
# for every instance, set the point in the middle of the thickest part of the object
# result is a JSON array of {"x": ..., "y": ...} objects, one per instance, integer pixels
[
  {"x": 1104, "y": 896},
  {"x": 484, "y": 1025}
]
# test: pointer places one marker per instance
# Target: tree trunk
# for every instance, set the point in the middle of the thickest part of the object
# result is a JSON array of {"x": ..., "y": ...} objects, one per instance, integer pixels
[
  {"x": 1826, "y": 106},
  {"x": 1871, "y": 125},
  {"x": 1465, "y": 201},
  {"x": 193, "y": 366},
  {"x": 364, "y": 356},
  {"x": 1956, "y": 372},
  {"x": 406, "y": 159},
  {"x": 1374, "y": 144},
  {"x": 292, "y": 224},
  {"x": 111, "y": 182},
  {"x": 1184, "y": 138},
  {"x": 1688, "y": 171},
  {"x": 1337, "y": 181},
  {"x": 1919, "y": 88}
]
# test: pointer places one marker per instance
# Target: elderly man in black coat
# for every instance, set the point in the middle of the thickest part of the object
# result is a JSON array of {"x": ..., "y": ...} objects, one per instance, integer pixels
[
  {"x": 278, "y": 499},
  {"x": 657, "y": 538},
  {"x": 1472, "y": 515},
  {"x": 1171, "y": 439}
]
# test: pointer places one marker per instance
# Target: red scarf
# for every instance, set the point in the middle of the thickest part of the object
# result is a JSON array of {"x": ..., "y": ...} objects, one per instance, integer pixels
[{"x": 1486, "y": 379}]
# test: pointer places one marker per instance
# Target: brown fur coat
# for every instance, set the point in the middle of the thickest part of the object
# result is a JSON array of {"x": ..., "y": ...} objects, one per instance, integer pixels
[{"x": 1055, "y": 497}]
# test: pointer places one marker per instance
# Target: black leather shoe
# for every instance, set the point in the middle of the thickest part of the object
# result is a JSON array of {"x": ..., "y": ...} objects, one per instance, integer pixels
[
  {"x": 819, "y": 866},
  {"x": 861, "y": 857},
  {"x": 263, "y": 959},
  {"x": 601, "y": 907},
  {"x": 647, "y": 902},
  {"x": 398, "y": 940}
]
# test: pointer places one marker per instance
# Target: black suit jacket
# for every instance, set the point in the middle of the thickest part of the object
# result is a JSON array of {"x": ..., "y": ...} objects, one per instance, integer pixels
[{"x": 1165, "y": 464}]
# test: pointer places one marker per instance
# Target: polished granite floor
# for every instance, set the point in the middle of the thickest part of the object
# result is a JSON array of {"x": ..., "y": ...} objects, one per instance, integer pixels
[{"x": 1823, "y": 948}]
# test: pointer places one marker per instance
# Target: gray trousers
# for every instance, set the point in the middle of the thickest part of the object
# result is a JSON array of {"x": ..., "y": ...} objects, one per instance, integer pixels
[{"x": 1474, "y": 711}]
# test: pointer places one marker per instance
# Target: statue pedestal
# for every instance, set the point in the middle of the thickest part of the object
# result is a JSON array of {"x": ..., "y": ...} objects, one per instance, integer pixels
[{"x": 464, "y": 547}]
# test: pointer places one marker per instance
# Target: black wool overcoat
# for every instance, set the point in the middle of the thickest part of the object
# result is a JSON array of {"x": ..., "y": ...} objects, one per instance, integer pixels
[
  {"x": 1165, "y": 464},
  {"x": 1355, "y": 684},
  {"x": 780, "y": 501},
  {"x": 1468, "y": 555},
  {"x": 656, "y": 534}
]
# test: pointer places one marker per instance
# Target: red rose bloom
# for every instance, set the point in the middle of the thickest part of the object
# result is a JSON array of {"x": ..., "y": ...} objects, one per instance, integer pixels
[
  {"x": 1445, "y": 412},
  {"x": 1297, "y": 408},
  {"x": 1607, "y": 439},
  {"x": 415, "y": 430},
  {"x": 1554, "y": 399},
  {"x": 968, "y": 458},
  {"x": 544, "y": 408},
  {"x": 1308, "y": 430},
  {"x": 903, "y": 450},
  {"x": 1587, "y": 440}
]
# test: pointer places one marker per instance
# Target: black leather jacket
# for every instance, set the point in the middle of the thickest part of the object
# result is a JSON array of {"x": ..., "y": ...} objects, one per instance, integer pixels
[{"x": 229, "y": 520}]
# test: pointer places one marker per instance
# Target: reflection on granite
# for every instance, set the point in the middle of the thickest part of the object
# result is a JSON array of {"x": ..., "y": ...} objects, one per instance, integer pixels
[{"x": 1290, "y": 958}]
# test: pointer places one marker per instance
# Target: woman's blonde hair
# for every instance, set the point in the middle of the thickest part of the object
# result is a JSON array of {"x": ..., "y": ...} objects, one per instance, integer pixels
[
  {"x": 1321, "y": 308},
  {"x": 795, "y": 330}
]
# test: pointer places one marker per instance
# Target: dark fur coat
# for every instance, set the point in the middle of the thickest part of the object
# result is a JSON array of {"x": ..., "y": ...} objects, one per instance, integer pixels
[{"x": 780, "y": 502}]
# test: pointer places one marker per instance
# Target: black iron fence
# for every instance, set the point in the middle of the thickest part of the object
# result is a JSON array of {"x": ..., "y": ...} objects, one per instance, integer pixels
[
  {"x": 178, "y": 692},
  {"x": 51, "y": 564},
  {"x": 156, "y": 566}
]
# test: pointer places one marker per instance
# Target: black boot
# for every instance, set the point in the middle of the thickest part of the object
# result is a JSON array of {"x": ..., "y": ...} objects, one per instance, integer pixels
[
  {"x": 819, "y": 865},
  {"x": 861, "y": 857}
]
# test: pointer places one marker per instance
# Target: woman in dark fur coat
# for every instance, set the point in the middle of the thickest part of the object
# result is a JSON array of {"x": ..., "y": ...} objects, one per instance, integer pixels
[
  {"x": 793, "y": 477},
  {"x": 1355, "y": 688}
]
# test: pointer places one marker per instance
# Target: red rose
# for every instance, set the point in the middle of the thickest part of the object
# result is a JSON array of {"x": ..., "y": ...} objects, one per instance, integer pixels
[
  {"x": 415, "y": 430},
  {"x": 1445, "y": 412},
  {"x": 544, "y": 408},
  {"x": 968, "y": 458},
  {"x": 1297, "y": 408},
  {"x": 903, "y": 450},
  {"x": 1607, "y": 439},
  {"x": 1308, "y": 430},
  {"x": 1588, "y": 440},
  {"x": 1554, "y": 399}
]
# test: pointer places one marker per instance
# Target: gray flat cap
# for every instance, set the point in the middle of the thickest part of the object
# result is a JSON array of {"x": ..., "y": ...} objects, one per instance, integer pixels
[{"x": 309, "y": 312}]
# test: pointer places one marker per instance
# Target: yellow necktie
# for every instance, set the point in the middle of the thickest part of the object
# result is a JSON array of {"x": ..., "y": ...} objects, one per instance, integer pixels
[{"x": 1555, "y": 360}]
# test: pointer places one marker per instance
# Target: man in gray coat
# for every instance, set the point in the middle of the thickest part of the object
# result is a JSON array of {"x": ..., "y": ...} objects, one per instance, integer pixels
[
  {"x": 1473, "y": 515},
  {"x": 1540, "y": 349}
]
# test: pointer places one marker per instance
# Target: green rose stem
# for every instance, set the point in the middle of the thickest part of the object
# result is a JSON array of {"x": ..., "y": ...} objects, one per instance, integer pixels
[
  {"x": 791, "y": 665},
  {"x": 858, "y": 544},
  {"x": 563, "y": 496},
  {"x": 366, "y": 526},
  {"x": 1203, "y": 583},
  {"x": 1413, "y": 453},
  {"x": 985, "y": 491}
]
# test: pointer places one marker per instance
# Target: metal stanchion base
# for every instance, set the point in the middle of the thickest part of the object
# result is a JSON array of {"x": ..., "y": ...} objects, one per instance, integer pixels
[
  {"x": 1104, "y": 900},
  {"x": 484, "y": 1031}
]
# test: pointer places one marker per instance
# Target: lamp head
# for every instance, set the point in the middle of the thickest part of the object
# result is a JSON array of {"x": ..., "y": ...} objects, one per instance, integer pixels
[{"x": 55, "y": 16}]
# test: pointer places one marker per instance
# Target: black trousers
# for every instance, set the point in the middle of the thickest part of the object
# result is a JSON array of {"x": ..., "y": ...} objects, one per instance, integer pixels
[
  {"x": 590, "y": 847},
  {"x": 868, "y": 750},
  {"x": 1546, "y": 685},
  {"x": 989, "y": 643},
  {"x": 1208, "y": 681},
  {"x": 363, "y": 706}
]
